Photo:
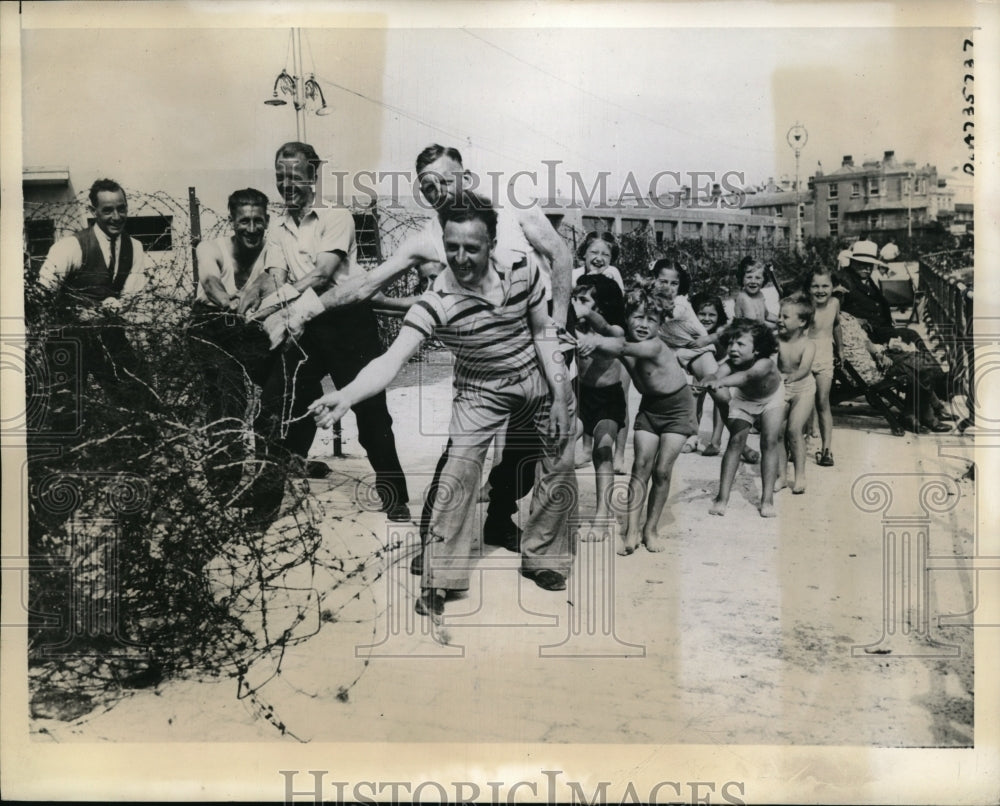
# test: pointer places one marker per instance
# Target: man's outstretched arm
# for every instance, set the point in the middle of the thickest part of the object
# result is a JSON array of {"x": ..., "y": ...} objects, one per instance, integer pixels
[
  {"x": 548, "y": 243},
  {"x": 376, "y": 375}
]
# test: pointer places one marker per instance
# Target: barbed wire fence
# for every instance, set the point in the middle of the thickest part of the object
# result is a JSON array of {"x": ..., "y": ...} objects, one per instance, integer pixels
[{"x": 141, "y": 570}]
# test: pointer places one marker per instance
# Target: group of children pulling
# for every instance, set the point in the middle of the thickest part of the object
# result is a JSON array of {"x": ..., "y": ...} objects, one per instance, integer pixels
[{"x": 764, "y": 368}]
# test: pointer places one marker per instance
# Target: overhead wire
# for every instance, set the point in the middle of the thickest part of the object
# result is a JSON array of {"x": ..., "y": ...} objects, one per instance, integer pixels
[{"x": 699, "y": 136}]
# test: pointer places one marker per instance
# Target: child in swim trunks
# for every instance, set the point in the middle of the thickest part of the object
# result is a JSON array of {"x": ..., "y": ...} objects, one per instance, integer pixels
[
  {"x": 825, "y": 332},
  {"x": 598, "y": 255},
  {"x": 795, "y": 359},
  {"x": 663, "y": 424},
  {"x": 756, "y": 392},
  {"x": 601, "y": 396},
  {"x": 712, "y": 314}
]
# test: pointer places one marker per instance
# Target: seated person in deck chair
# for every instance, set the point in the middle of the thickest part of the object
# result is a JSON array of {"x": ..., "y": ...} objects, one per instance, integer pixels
[{"x": 920, "y": 379}]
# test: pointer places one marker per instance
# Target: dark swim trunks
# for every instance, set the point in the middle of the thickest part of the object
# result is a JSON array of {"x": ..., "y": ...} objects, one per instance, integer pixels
[
  {"x": 673, "y": 413},
  {"x": 601, "y": 403}
]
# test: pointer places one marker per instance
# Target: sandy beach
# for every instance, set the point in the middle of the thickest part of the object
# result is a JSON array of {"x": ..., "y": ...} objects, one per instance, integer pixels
[{"x": 743, "y": 631}]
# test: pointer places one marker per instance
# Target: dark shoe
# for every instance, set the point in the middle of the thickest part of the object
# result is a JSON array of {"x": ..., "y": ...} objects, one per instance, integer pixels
[
  {"x": 937, "y": 428},
  {"x": 945, "y": 416},
  {"x": 399, "y": 513},
  {"x": 317, "y": 470},
  {"x": 417, "y": 563},
  {"x": 502, "y": 533},
  {"x": 431, "y": 602},
  {"x": 824, "y": 458},
  {"x": 545, "y": 579}
]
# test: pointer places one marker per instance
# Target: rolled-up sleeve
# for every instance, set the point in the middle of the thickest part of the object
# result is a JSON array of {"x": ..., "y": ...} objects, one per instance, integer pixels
[{"x": 64, "y": 256}]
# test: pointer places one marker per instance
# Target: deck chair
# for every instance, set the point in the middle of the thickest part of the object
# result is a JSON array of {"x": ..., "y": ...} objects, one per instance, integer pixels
[
  {"x": 883, "y": 396},
  {"x": 900, "y": 295}
]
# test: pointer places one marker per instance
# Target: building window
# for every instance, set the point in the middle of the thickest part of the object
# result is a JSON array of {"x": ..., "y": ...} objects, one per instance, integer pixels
[
  {"x": 834, "y": 212},
  {"x": 855, "y": 189},
  {"x": 664, "y": 231},
  {"x": 919, "y": 189},
  {"x": 832, "y": 190},
  {"x": 39, "y": 235},
  {"x": 691, "y": 229},
  {"x": 595, "y": 224},
  {"x": 154, "y": 232},
  {"x": 778, "y": 213},
  {"x": 873, "y": 186},
  {"x": 366, "y": 235},
  {"x": 632, "y": 225},
  {"x": 833, "y": 229}
]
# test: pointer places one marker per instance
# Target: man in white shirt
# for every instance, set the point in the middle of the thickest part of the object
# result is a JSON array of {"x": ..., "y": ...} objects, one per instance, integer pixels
[
  {"x": 85, "y": 275},
  {"x": 890, "y": 251},
  {"x": 318, "y": 251}
]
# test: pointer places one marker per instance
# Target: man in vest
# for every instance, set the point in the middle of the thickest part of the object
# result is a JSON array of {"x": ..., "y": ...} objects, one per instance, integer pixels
[
  {"x": 229, "y": 349},
  {"x": 86, "y": 274}
]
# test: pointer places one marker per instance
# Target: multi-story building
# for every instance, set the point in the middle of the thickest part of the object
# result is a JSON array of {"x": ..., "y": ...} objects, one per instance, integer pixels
[
  {"x": 783, "y": 201},
  {"x": 877, "y": 195}
]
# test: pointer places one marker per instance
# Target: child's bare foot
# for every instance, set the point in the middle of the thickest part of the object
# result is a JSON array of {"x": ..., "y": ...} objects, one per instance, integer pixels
[
  {"x": 690, "y": 446},
  {"x": 581, "y": 460},
  {"x": 620, "y": 466},
  {"x": 798, "y": 489},
  {"x": 780, "y": 484},
  {"x": 767, "y": 510},
  {"x": 718, "y": 508},
  {"x": 654, "y": 542},
  {"x": 627, "y": 545},
  {"x": 711, "y": 450}
]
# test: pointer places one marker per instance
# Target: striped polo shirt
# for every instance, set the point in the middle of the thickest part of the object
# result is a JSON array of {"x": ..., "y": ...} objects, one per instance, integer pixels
[{"x": 489, "y": 341}]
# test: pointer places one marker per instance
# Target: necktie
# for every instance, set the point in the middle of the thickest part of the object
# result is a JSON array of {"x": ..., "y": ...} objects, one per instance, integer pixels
[{"x": 111, "y": 262}]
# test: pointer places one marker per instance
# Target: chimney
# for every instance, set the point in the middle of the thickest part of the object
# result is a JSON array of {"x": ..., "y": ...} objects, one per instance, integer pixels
[
  {"x": 887, "y": 157},
  {"x": 848, "y": 161}
]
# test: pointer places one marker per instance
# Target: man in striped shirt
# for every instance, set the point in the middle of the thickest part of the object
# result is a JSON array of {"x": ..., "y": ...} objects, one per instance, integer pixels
[{"x": 508, "y": 364}]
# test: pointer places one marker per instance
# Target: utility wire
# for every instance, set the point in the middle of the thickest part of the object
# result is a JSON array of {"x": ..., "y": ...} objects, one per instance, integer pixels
[{"x": 694, "y": 135}]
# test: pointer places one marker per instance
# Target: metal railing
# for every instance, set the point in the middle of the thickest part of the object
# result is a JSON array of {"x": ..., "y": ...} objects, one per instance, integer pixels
[{"x": 947, "y": 313}]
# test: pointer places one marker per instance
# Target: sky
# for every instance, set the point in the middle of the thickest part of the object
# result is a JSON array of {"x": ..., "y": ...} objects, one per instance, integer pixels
[{"x": 164, "y": 109}]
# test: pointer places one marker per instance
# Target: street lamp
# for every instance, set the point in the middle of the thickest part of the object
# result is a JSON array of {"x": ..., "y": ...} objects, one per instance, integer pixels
[
  {"x": 306, "y": 95},
  {"x": 797, "y": 138}
]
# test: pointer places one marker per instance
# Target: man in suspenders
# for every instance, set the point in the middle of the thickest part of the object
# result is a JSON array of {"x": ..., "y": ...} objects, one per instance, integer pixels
[{"x": 233, "y": 353}]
